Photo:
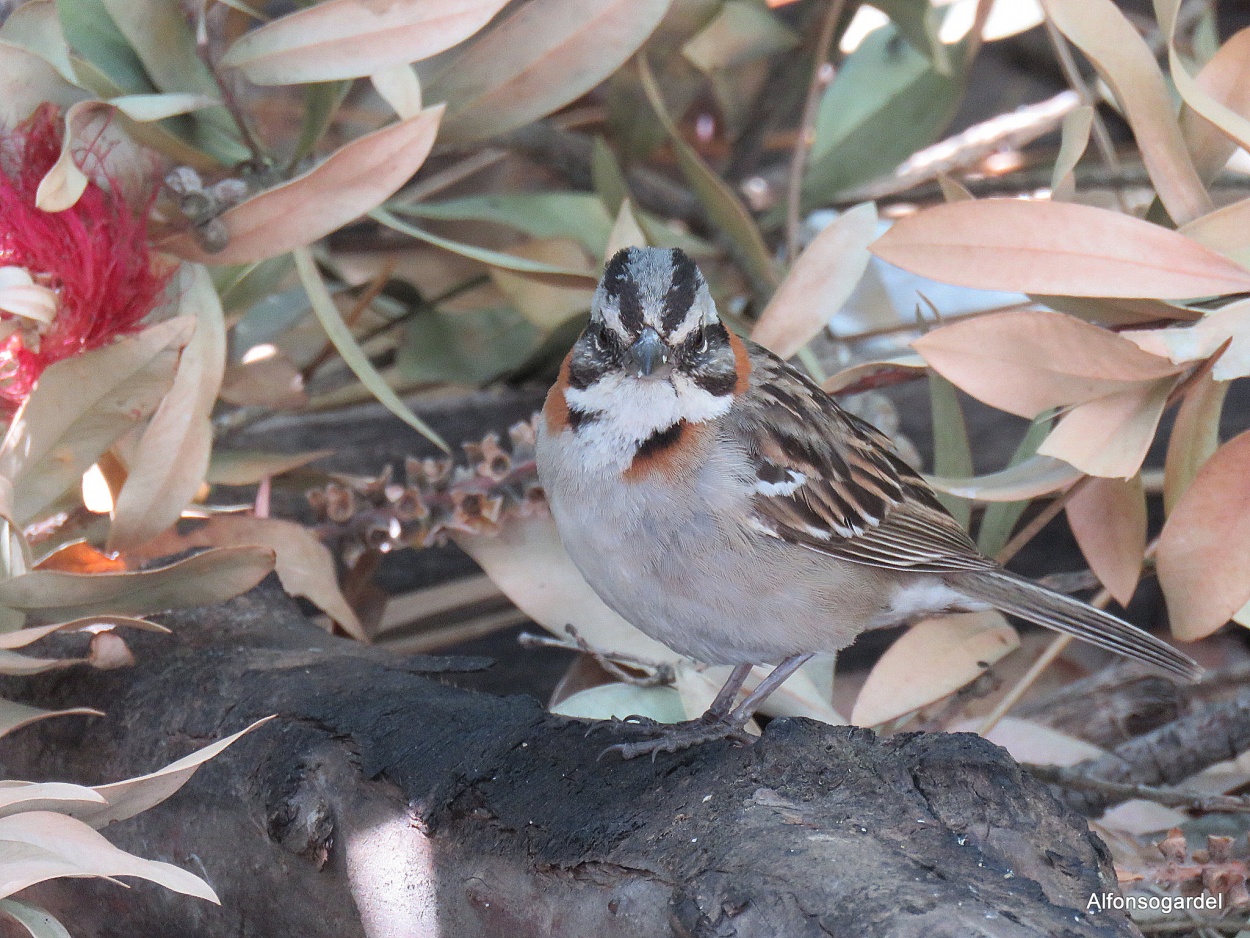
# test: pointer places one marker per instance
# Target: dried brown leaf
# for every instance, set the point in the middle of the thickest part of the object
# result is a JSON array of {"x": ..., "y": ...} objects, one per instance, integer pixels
[
  {"x": 353, "y": 180},
  {"x": 1108, "y": 519},
  {"x": 1056, "y": 248},
  {"x": 1204, "y": 551},
  {"x": 1028, "y": 362}
]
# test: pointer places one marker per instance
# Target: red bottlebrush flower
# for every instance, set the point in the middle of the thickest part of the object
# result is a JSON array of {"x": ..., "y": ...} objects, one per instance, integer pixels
[{"x": 94, "y": 256}]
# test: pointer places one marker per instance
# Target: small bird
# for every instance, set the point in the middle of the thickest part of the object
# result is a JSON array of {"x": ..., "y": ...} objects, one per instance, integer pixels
[{"x": 725, "y": 505}]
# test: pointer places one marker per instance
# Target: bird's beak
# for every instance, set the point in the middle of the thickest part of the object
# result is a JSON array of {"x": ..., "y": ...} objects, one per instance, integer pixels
[{"x": 649, "y": 357}]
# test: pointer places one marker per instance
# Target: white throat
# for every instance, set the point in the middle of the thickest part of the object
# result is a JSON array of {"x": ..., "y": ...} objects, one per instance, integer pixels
[{"x": 630, "y": 410}]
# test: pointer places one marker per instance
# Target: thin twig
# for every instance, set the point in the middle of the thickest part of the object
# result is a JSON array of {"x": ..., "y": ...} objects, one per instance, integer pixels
[
  {"x": 1012, "y": 697},
  {"x": 821, "y": 77},
  {"x": 1039, "y": 521},
  {"x": 1071, "y": 777},
  {"x": 363, "y": 303},
  {"x": 658, "y": 674}
]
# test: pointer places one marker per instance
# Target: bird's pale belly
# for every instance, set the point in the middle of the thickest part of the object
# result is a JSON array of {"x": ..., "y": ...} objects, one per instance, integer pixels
[{"x": 717, "y": 593}]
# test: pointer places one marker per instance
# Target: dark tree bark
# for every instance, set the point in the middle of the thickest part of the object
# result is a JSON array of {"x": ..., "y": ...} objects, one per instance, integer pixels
[{"x": 385, "y": 802}]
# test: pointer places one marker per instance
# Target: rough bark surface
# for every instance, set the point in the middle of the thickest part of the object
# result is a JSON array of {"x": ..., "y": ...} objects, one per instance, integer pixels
[{"x": 385, "y": 802}]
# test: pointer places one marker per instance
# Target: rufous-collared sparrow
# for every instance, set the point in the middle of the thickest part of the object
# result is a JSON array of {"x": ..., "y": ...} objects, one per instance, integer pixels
[{"x": 725, "y": 505}]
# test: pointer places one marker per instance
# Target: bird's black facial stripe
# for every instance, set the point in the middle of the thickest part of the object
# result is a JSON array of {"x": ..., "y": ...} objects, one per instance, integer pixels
[
  {"x": 579, "y": 417},
  {"x": 681, "y": 291},
  {"x": 717, "y": 383},
  {"x": 659, "y": 441},
  {"x": 621, "y": 287}
]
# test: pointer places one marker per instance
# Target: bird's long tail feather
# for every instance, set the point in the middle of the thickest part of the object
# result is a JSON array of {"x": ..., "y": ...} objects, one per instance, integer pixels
[{"x": 1028, "y": 600}]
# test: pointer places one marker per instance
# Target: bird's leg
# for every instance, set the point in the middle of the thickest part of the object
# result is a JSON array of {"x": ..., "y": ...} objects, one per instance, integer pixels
[
  {"x": 728, "y": 694},
  {"x": 715, "y": 723}
]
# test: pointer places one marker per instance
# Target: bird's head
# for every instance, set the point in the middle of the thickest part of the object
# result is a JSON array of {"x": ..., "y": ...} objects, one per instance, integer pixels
[{"x": 655, "y": 346}]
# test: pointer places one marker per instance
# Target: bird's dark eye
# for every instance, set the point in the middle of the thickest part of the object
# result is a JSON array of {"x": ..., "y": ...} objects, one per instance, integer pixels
[{"x": 702, "y": 346}]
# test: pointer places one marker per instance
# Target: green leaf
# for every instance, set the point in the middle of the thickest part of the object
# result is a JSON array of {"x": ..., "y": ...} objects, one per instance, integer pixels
[
  {"x": 244, "y": 285},
  {"x": 346, "y": 345},
  {"x": 210, "y": 577},
  {"x": 91, "y": 31},
  {"x": 546, "y": 54},
  {"x": 607, "y": 176},
  {"x": 952, "y": 455},
  {"x": 576, "y": 215},
  {"x": 471, "y": 347},
  {"x": 741, "y": 32},
  {"x": 887, "y": 102},
  {"x": 724, "y": 207},
  {"x": 1000, "y": 518},
  {"x": 321, "y": 103},
  {"x": 919, "y": 22},
  {"x": 80, "y": 407},
  {"x": 35, "y": 26},
  {"x": 485, "y": 255},
  {"x": 248, "y": 467}
]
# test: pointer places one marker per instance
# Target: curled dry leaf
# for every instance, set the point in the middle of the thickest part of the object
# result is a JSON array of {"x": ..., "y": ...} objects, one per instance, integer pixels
[
  {"x": 1030, "y": 478},
  {"x": 203, "y": 580},
  {"x": 1226, "y": 79},
  {"x": 353, "y": 38},
  {"x": 80, "y": 406},
  {"x": 1108, "y": 518},
  {"x": 81, "y": 557},
  {"x": 1184, "y": 344},
  {"x": 867, "y": 372},
  {"x": 1223, "y": 230},
  {"x": 68, "y": 847},
  {"x": 168, "y": 465},
  {"x": 14, "y": 715},
  {"x": 1204, "y": 550},
  {"x": 932, "y": 659},
  {"x": 354, "y": 179},
  {"x": 1028, "y": 362},
  {"x": 23, "y": 637},
  {"x": 44, "y": 796},
  {"x": 538, "y": 59},
  {"x": 1195, "y": 437},
  {"x": 1109, "y": 436},
  {"x": 28, "y": 80},
  {"x": 1125, "y": 62},
  {"x": 399, "y": 86},
  {"x": 38, "y": 922},
  {"x": 125, "y": 799},
  {"x": 303, "y": 564},
  {"x": 821, "y": 280},
  {"x": 1056, "y": 248},
  {"x": 62, "y": 185},
  {"x": 272, "y": 382}
]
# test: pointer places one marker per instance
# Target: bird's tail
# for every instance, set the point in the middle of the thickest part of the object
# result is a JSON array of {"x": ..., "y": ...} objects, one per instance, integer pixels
[{"x": 1028, "y": 600}]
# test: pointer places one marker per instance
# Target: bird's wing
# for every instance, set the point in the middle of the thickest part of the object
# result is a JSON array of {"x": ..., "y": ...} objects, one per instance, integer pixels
[{"x": 828, "y": 481}]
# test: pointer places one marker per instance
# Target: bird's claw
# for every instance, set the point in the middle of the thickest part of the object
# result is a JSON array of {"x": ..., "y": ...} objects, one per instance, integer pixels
[
  {"x": 679, "y": 736},
  {"x": 634, "y": 721}
]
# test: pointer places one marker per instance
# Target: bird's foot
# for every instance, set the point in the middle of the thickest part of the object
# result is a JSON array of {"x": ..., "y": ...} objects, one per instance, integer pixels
[{"x": 674, "y": 737}]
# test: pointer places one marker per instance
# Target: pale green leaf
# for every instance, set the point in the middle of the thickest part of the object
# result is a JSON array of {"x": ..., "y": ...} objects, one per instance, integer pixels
[
  {"x": 724, "y": 207},
  {"x": 347, "y": 346},
  {"x": 741, "y": 32},
  {"x": 168, "y": 464},
  {"x": 485, "y": 255},
  {"x": 577, "y": 215},
  {"x": 203, "y": 580},
  {"x": 36, "y": 921},
  {"x": 35, "y": 26},
  {"x": 952, "y": 455},
  {"x": 1072, "y": 144},
  {"x": 80, "y": 406},
  {"x": 248, "y": 467}
]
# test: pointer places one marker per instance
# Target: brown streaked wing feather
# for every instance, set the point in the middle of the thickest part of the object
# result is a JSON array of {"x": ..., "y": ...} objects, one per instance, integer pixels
[{"x": 857, "y": 501}]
